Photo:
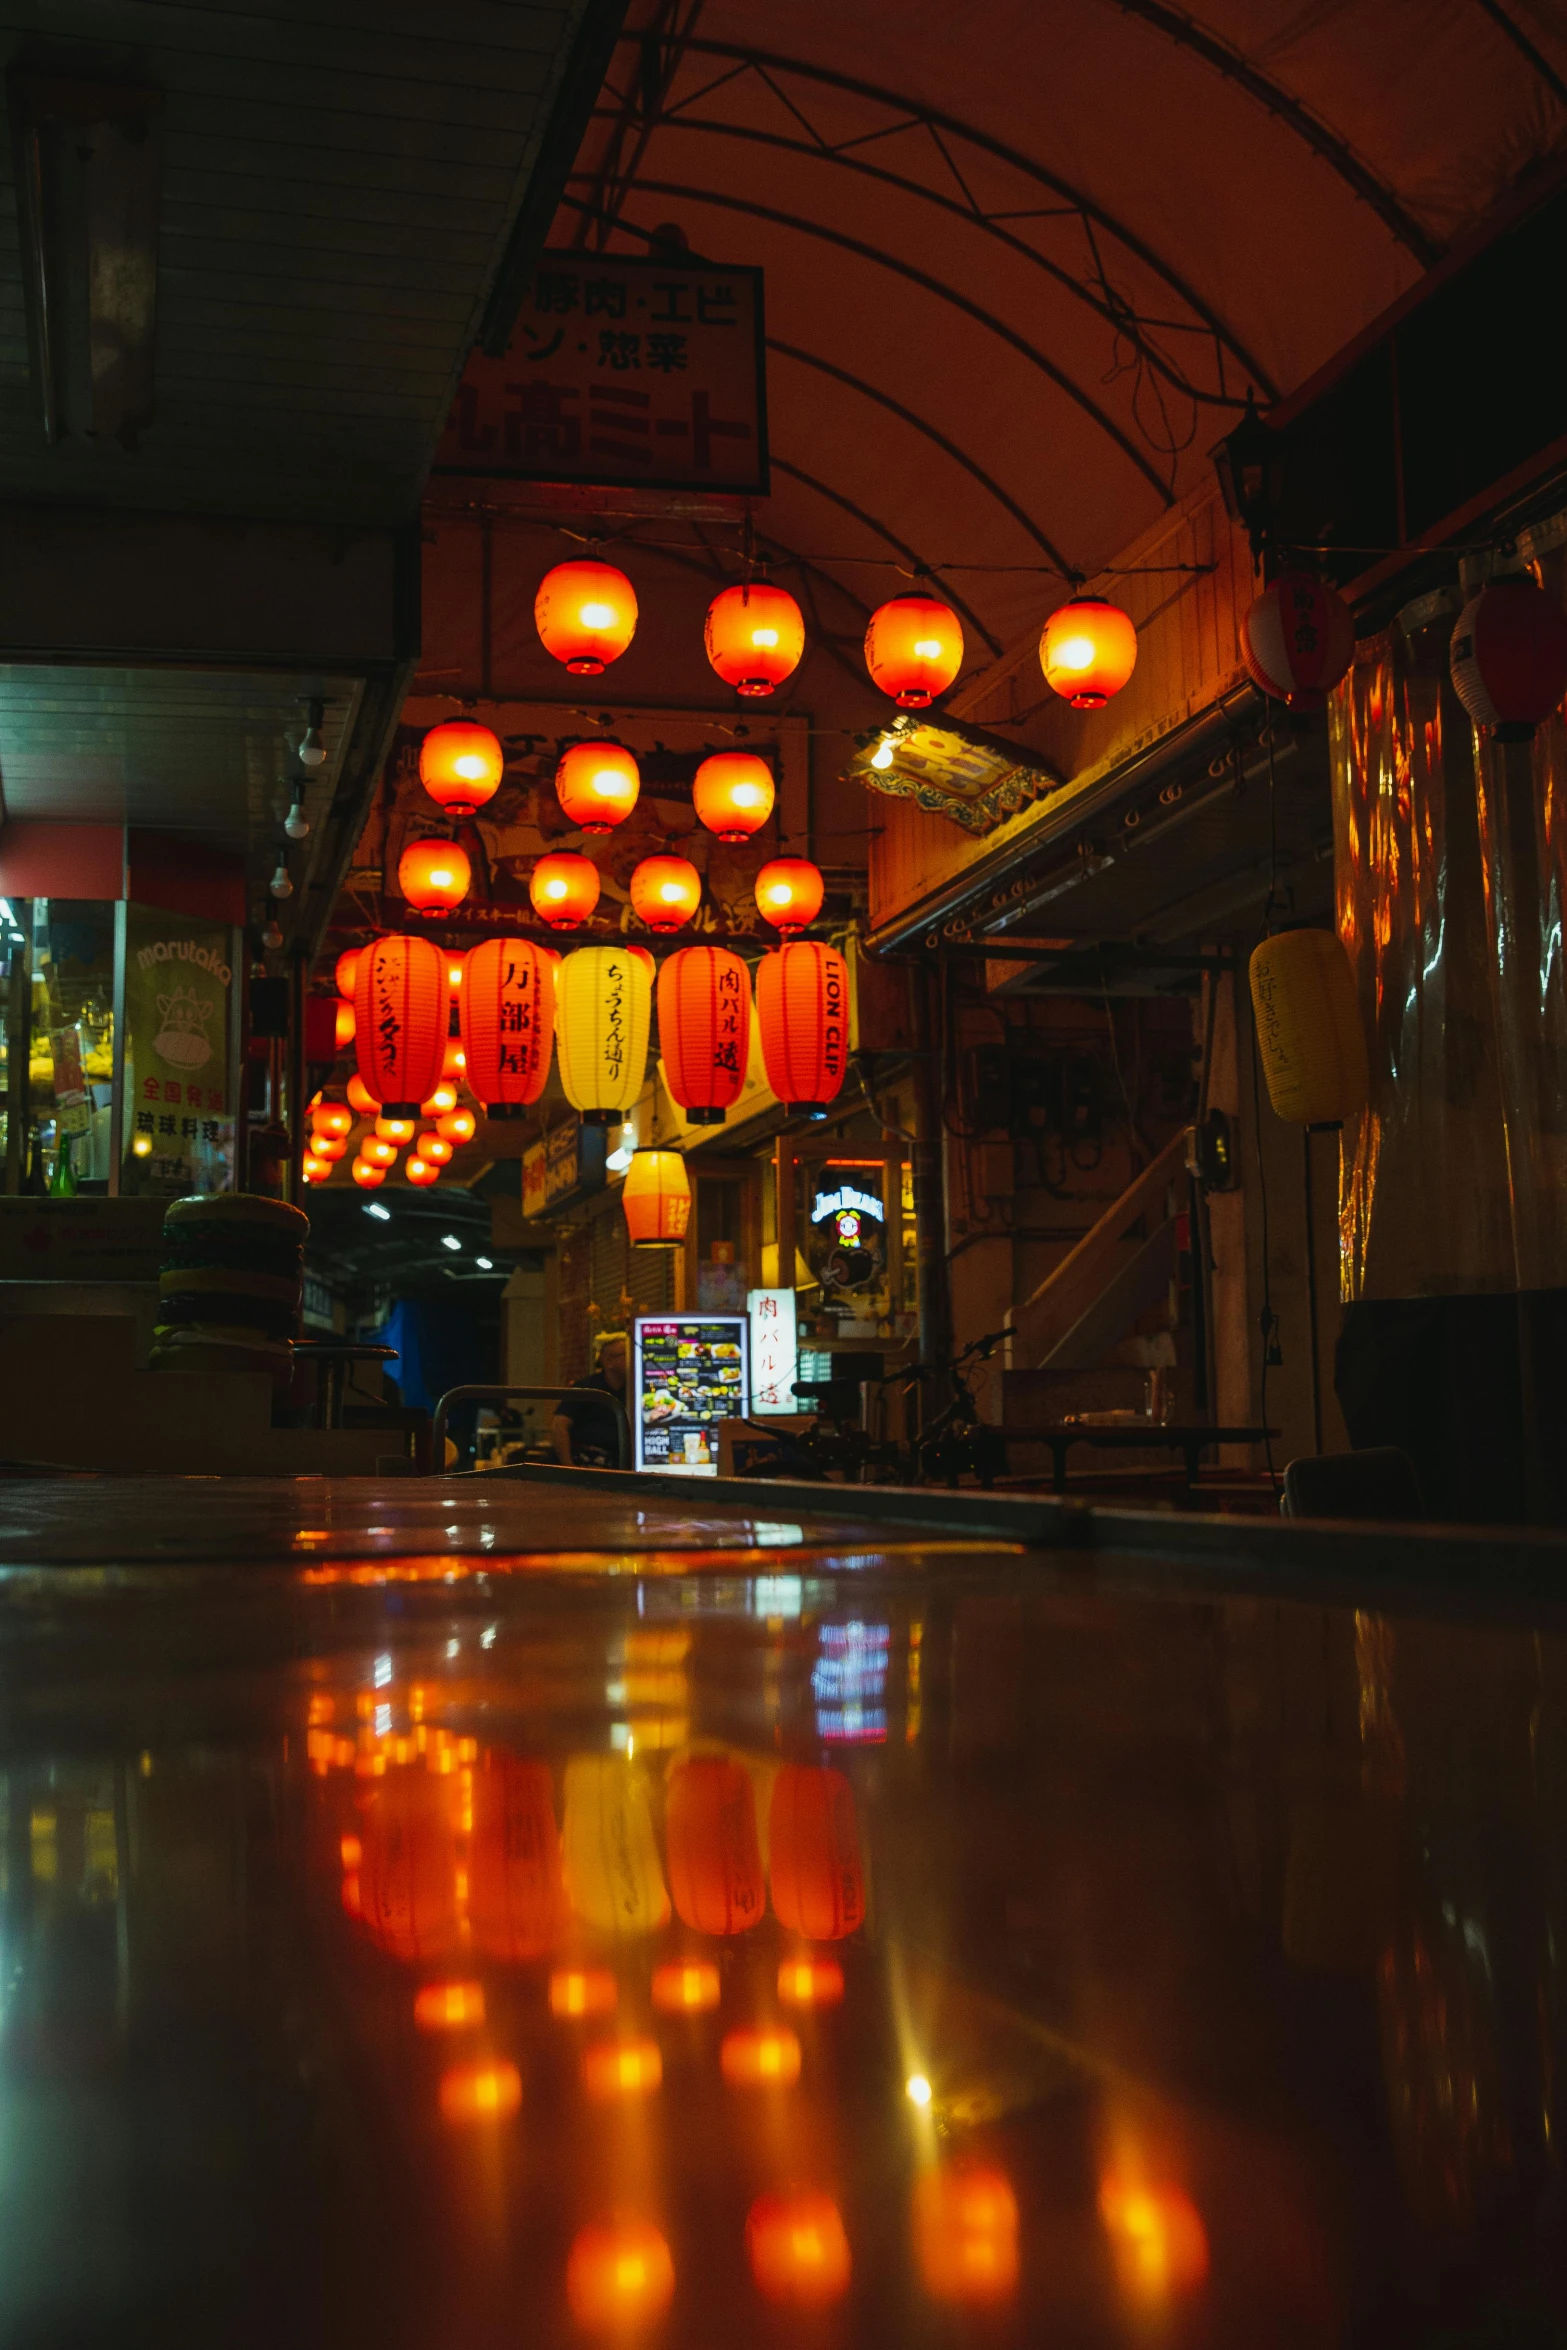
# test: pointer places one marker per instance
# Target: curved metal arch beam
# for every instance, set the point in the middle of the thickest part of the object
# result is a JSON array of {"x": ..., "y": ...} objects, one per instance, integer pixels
[
  {"x": 1526, "y": 48},
  {"x": 837, "y": 498},
  {"x": 916, "y": 109},
  {"x": 929, "y": 285}
]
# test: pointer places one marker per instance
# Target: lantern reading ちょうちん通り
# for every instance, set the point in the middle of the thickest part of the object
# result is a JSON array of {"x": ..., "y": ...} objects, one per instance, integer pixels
[
  {"x": 665, "y": 892},
  {"x": 818, "y": 1886},
  {"x": 597, "y": 784},
  {"x": 516, "y": 1899},
  {"x": 914, "y": 649},
  {"x": 563, "y": 889},
  {"x": 586, "y": 615},
  {"x": 656, "y": 1198},
  {"x": 507, "y": 1010},
  {"x": 704, "y": 1029},
  {"x": 733, "y": 794},
  {"x": 1088, "y": 650},
  {"x": 802, "y": 1011},
  {"x": 400, "y": 1013},
  {"x": 461, "y": 765},
  {"x": 1310, "y": 1038},
  {"x": 603, "y": 1011},
  {"x": 754, "y": 636},
  {"x": 715, "y": 1860},
  {"x": 1298, "y": 639},
  {"x": 434, "y": 876},
  {"x": 1509, "y": 656},
  {"x": 789, "y": 893},
  {"x": 343, "y": 971}
]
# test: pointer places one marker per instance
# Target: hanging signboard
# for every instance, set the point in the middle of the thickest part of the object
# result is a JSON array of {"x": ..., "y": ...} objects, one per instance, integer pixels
[
  {"x": 622, "y": 373},
  {"x": 179, "y": 1102},
  {"x": 773, "y": 1350}
]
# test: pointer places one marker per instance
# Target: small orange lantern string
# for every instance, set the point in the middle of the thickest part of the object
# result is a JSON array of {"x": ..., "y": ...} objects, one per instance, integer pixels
[
  {"x": 457, "y": 1126},
  {"x": 434, "y": 875},
  {"x": 965, "y": 2233},
  {"x": 361, "y": 1097},
  {"x": 1088, "y": 650},
  {"x": 398, "y": 1130},
  {"x": 810, "y": 1982},
  {"x": 789, "y": 893},
  {"x": 441, "y": 1103},
  {"x": 461, "y": 765},
  {"x": 754, "y": 636},
  {"x": 343, "y": 971},
  {"x": 577, "y": 1991},
  {"x": 597, "y": 784},
  {"x": 332, "y": 1118},
  {"x": 448, "y": 2007},
  {"x": 366, "y": 1176},
  {"x": 914, "y": 649},
  {"x": 454, "y": 971},
  {"x": 419, "y": 1171},
  {"x": 666, "y": 892},
  {"x": 622, "y": 2068},
  {"x": 343, "y": 1027},
  {"x": 434, "y": 1149},
  {"x": 480, "y": 2092},
  {"x": 586, "y": 615},
  {"x": 329, "y": 1146},
  {"x": 733, "y": 794},
  {"x": 315, "y": 1170},
  {"x": 454, "y": 1060},
  {"x": 760, "y": 2060},
  {"x": 564, "y": 889},
  {"x": 377, "y": 1153}
]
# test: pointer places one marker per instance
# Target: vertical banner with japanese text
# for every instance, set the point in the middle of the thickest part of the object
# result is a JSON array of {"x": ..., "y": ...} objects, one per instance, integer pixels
[{"x": 179, "y": 1083}]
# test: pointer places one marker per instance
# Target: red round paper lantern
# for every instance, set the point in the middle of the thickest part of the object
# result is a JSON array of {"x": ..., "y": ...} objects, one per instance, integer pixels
[
  {"x": 377, "y": 1151},
  {"x": 1298, "y": 639},
  {"x": 458, "y": 1126},
  {"x": 461, "y": 765},
  {"x": 818, "y": 1884},
  {"x": 802, "y": 1010},
  {"x": 754, "y": 636},
  {"x": 715, "y": 1860},
  {"x": 343, "y": 1027},
  {"x": 400, "y": 1006},
  {"x": 362, "y": 1098},
  {"x": 329, "y": 1147},
  {"x": 586, "y": 615},
  {"x": 434, "y": 876},
  {"x": 313, "y": 1168},
  {"x": 666, "y": 892},
  {"x": 1088, "y": 650},
  {"x": 507, "y": 1010},
  {"x": 564, "y": 889},
  {"x": 704, "y": 1030},
  {"x": 789, "y": 893},
  {"x": 656, "y": 1199},
  {"x": 365, "y": 1175},
  {"x": 597, "y": 784},
  {"x": 396, "y": 1131},
  {"x": 419, "y": 1171},
  {"x": 733, "y": 794},
  {"x": 433, "y": 1148},
  {"x": 334, "y": 1118},
  {"x": 343, "y": 972},
  {"x": 914, "y": 649},
  {"x": 1509, "y": 656}
]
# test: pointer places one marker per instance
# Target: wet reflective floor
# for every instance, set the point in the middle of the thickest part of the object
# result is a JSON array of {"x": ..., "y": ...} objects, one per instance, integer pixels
[{"x": 702, "y": 1931}]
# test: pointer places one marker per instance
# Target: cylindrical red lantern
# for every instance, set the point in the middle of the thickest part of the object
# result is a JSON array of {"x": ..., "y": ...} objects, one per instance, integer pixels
[
  {"x": 433, "y": 876},
  {"x": 914, "y": 649},
  {"x": 733, "y": 794},
  {"x": 656, "y": 1197},
  {"x": 564, "y": 889},
  {"x": 334, "y": 1118},
  {"x": 1087, "y": 651},
  {"x": 715, "y": 1861},
  {"x": 507, "y": 1010},
  {"x": 343, "y": 972},
  {"x": 400, "y": 1008},
  {"x": 704, "y": 1030},
  {"x": 754, "y": 636},
  {"x": 814, "y": 1869},
  {"x": 586, "y": 615},
  {"x": 461, "y": 765},
  {"x": 366, "y": 1176},
  {"x": 1298, "y": 639},
  {"x": 1509, "y": 657},
  {"x": 802, "y": 1009},
  {"x": 597, "y": 784},
  {"x": 789, "y": 893},
  {"x": 665, "y": 892}
]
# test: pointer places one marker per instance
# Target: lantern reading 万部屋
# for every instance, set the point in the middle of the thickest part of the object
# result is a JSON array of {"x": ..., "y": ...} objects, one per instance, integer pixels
[{"x": 507, "y": 1010}]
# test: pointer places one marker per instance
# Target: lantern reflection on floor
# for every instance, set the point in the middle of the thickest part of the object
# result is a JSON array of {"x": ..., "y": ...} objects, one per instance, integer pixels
[
  {"x": 619, "y": 2276},
  {"x": 797, "y": 2249}
]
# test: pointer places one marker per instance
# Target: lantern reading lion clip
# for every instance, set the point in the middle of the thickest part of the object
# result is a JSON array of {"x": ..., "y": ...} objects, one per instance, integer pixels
[{"x": 802, "y": 1010}]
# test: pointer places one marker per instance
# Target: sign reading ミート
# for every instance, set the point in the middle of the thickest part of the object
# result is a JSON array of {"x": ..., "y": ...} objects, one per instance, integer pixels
[{"x": 622, "y": 373}]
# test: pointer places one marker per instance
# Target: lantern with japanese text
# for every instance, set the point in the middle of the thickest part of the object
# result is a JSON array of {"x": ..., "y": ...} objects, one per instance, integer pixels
[
  {"x": 434, "y": 876},
  {"x": 343, "y": 971},
  {"x": 1088, "y": 650},
  {"x": 789, "y": 893},
  {"x": 516, "y": 1900},
  {"x": 507, "y": 1010},
  {"x": 814, "y": 1870},
  {"x": 563, "y": 889},
  {"x": 666, "y": 892},
  {"x": 802, "y": 1010},
  {"x": 1310, "y": 1036},
  {"x": 400, "y": 1010},
  {"x": 597, "y": 784},
  {"x": 656, "y": 1197},
  {"x": 1298, "y": 639},
  {"x": 603, "y": 1012},
  {"x": 733, "y": 794},
  {"x": 715, "y": 1861},
  {"x": 586, "y": 615},
  {"x": 914, "y": 649},
  {"x": 704, "y": 1030},
  {"x": 461, "y": 765},
  {"x": 1509, "y": 656},
  {"x": 754, "y": 636}
]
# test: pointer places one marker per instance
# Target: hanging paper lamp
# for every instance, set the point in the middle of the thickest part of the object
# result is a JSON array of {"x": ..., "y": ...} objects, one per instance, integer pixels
[
  {"x": 1088, "y": 651},
  {"x": 914, "y": 649},
  {"x": 454, "y": 971},
  {"x": 1309, "y": 1031},
  {"x": 362, "y": 1098},
  {"x": 343, "y": 971},
  {"x": 802, "y": 1010},
  {"x": 1298, "y": 639},
  {"x": 396, "y": 1131},
  {"x": 754, "y": 636},
  {"x": 1509, "y": 656},
  {"x": 603, "y": 1011},
  {"x": 400, "y": 1006},
  {"x": 597, "y": 784},
  {"x": 461, "y": 765},
  {"x": 440, "y": 1102},
  {"x": 434, "y": 876},
  {"x": 366, "y": 1176},
  {"x": 458, "y": 1126},
  {"x": 564, "y": 889},
  {"x": 507, "y": 1010},
  {"x": 818, "y": 1885},
  {"x": 704, "y": 1030},
  {"x": 343, "y": 1027},
  {"x": 715, "y": 1861},
  {"x": 376, "y": 1151},
  {"x": 789, "y": 893},
  {"x": 334, "y": 1118},
  {"x": 329, "y": 1147},
  {"x": 656, "y": 1197},
  {"x": 434, "y": 1148},
  {"x": 586, "y": 615},
  {"x": 733, "y": 794},
  {"x": 665, "y": 892},
  {"x": 419, "y": 1171},
  {"x": 516, "y": 1901},
  {"x": 314, "y": 1169}
]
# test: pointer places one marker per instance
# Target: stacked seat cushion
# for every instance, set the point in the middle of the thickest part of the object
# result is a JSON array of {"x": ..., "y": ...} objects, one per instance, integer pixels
[{"x": 230, "y": 1284}]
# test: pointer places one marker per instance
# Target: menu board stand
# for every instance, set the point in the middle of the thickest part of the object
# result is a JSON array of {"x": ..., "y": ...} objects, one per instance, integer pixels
[{"x": 689, "y": 1372}]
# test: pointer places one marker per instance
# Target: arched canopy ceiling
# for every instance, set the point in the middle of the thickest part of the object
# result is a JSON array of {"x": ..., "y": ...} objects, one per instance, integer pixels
[{"x": 1023, "y": 262}]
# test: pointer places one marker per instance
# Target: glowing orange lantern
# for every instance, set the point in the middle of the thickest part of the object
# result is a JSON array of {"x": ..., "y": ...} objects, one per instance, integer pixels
[
  {"x": 453, "y": 1060},
  {"x": 440, "y": 1102},
  {"x": 619, "y": 2277},
  {"x": 329, "y": 1147},
  {"x": 622, "y": 2068},
  {"x": 343, "y": 1027},
  {"x": 376, "y": 1152},
  {"x": 666, "y": 892},
  {"x": 733, "y": 794},
  {"x": 434, "y": 1149},
  {"x": 1087, "y": 651},
  {"x": 685, "y": 1987},
  {"x": 789, "y": 893},
  {"x": 434, "y": 876},
  {"x": 578, "y": 1991},
  {"x": 461, "y": 765},
  {"x": 965, "y": 2233},
  {"x": 1157, "y": 2238},
  {"x": 586, "y": 615},
  {"x": 400, "y": 1004},
  {"x": 408, "y": 1875},
  {"x": 597, "y": 784},
  {"x": 516, "y": 1902},
  {"x": 362, "y": 1098},
  {"x": 810, "y": 1982},
  {"x": 343, "y": 972},
  {"x": 656, "y": 1197},
  {"x": 704, "y": 1026},
  {"x": 754, "y": 636},
  {"x": 398, "y": 1130},
  {"x": 914, "y": 649},
  {"x": 419, "y": 1171},
  {"x": 507, "y": 1009},
  {"x": 455, "y": 965},
  {"x": 818, "y": 1885},
  {"x": 480, "y": 2092},
  {"x": 314, "y": 1170},
  {"x": 797, "y": 2249},
  {"x": 760, "y": 2060},
  {"x": 332, "y": 1118},
  {"x": 802, "y": 1010},
  {"x": 366, "y": 1176},
  {"x": 715, "y": 1862},
  {"x": 563, "y": 889},
  {"x": 448, "y": 2007},
  {"x": 457, "y": 1126}
]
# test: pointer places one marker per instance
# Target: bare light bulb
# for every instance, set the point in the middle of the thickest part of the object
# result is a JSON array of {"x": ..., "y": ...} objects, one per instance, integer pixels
[
  {"x": 280, "y": 885},
  {"x": 312, "y": 750},
  {"x": 296, "y": 823}
]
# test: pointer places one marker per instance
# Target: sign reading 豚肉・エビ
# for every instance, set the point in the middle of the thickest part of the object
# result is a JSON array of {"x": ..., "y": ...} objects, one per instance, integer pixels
[
  {"x": 179, "y": 1107},
  {"x": 622, "y": 372}
]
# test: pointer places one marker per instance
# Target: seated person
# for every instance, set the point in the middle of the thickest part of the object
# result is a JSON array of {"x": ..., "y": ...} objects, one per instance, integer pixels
[{"x": 583, "y": 1433}]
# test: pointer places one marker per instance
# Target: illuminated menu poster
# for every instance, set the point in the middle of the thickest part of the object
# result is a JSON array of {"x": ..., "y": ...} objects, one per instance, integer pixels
[{"x": 689, "y": 1372}]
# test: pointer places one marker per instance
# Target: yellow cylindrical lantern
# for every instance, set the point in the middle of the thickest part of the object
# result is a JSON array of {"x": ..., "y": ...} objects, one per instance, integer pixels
[
  {"x": 657, "y": 1199},
  {"x": 603, "y": 1011},
  {"x": 1309, "y": 1030}
]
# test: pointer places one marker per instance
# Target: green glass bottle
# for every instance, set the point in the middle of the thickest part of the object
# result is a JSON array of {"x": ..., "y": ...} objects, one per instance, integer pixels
[{"x": 62, "y": 1184}]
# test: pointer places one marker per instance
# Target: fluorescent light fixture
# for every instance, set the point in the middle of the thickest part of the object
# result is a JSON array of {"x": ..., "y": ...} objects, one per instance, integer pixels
[
  {"x": 485, "y": 1264},
  {"x": 450, "y": 1240},
  {"x": 374, "y": 1208}
]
